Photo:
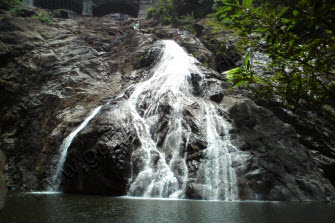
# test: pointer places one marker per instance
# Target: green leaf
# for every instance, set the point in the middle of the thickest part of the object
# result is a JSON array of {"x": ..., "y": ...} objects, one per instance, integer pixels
[
  {"x": 295, "y": 12},
  {"x": 238, "y": 84},
  {"x": 234, "y": 74},
  {"x": 261, "y": 29},
  {"x": 247, "y": 3},
  {"x": 246, "y": 61},
  {"x": 290, "y": 42},
  {"x": 282, "y": 12}
]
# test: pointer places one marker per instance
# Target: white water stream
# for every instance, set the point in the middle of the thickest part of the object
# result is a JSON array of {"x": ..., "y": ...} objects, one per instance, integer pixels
[
  {"x": 28, "y": 3},
  {"x": 157, "y": 179},
  {"x": 87, "y": 8},
  {"x": 220, "y": 177},
  {"x": 55, "y": 180}
]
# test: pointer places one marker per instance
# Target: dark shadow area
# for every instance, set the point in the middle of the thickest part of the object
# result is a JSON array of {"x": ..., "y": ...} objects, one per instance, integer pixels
[
  {"x": 110, "y": 8},
  {"x": 72, "y": 5},
  {"x": 330, "y": 174}
]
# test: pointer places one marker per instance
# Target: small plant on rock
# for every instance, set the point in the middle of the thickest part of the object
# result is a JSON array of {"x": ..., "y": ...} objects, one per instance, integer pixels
[{"x": 44, "y": 17}]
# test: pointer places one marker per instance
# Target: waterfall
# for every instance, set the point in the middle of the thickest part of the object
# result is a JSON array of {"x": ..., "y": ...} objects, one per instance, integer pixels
[
  {"x": 217, "y": 170},
  {"x": 157, "y": 178},
  {"x": 55, "y": 180},
  {"x": 87, "y": 8},
  {"x": 159, "y": 165},
  {"x": 28, "y": 3},
  {"x": 162, "y": 171}
]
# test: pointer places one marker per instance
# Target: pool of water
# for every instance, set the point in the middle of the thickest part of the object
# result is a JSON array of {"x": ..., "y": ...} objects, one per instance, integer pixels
[{"x": 57, "y": 207}]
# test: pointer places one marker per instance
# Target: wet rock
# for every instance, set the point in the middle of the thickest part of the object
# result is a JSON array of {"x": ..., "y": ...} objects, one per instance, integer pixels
[
  {"x": 217, "y": 97},
  {"x": 65, "y": 14},
  {"x": 149, "y": 57},
  {"x": 194, "y": 191},
  {"x": 222, "y": 44},
  {"x": 197, "y": 84},
  {"x": 100, "y": 158},
  {"x": 26, "y": 12},
  {"x": 198, "y": 29},
  {"x": 190, "y": 42},
  {"x": 48, "y": 71},
  {"x": 118, "y": 16}
]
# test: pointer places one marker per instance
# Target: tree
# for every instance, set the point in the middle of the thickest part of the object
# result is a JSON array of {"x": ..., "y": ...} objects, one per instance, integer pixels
[
  {"x": 170, "y": 11},
  {"x": 299, "y": 38}
]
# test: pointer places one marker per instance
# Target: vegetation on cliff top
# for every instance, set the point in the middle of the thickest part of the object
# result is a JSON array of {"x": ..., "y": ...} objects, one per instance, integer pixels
[
  {"x": 13, "y": 5},
  {"x": 297, "y": 35}
]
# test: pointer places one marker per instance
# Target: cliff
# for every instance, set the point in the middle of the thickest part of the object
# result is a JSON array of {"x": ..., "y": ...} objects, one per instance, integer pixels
[{"x": 54, "y": 75}]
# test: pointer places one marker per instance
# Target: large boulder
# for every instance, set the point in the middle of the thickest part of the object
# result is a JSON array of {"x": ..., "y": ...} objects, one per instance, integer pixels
[{"x": 99, "y": 159}]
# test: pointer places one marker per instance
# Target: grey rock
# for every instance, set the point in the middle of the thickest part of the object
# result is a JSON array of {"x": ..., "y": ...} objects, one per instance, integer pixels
[
  {"x": 280, "y": 168},
  {"x": 99, "y": 159},
  {"x": 65, "y": 14},
  {"x": 52, "y": 77}
]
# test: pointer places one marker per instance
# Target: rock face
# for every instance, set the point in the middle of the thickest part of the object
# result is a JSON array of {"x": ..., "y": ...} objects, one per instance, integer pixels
[
  {"x": 99, "y": 160},
  {"x": 53, "y": 76},
  {"x": 276, "y": 165},
  {"x": 3, "y": 184}
]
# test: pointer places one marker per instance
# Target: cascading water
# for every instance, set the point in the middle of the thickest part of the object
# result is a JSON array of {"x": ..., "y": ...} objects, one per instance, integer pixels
[
  {"x": 55, "y": 180},
  {"x": 159, "y": 166},
  {"x": 87, "y": 8},
  {"x": 28, "y": 3},
  {"x": 157, "y": 178},
  {"x": 163, "y": 170},
  {"x": 220, "y": 177}
]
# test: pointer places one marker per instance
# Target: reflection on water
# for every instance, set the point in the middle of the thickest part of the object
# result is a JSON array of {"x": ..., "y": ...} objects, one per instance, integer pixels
[{"x": 56, "y": 207}]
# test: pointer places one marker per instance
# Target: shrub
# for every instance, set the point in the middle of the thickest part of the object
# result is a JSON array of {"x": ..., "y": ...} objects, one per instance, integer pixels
[
  {"x": 44, "y": 17},
  {"x": 14, "y": 6}
]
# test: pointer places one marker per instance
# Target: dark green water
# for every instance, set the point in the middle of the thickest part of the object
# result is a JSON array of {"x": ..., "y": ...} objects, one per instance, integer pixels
[{"x": 26, "y": 208}]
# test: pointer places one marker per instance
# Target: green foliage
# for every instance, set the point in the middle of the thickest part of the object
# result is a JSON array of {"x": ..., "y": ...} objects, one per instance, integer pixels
[
  {"x": 187, "y": 22},
  {"x": 299, "y": 38},
  {"x": 165, "y": 11},
  {"x": 151, "y": 12},
  {"x": 243, "y": 76},
  {"x": 175, "y": 11},
  {"x": 44, "y": 17},
  {"x": 57, "y": 12},
  {"x": 224, "y": 42},
  {"x": 14, "y": 6}
]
